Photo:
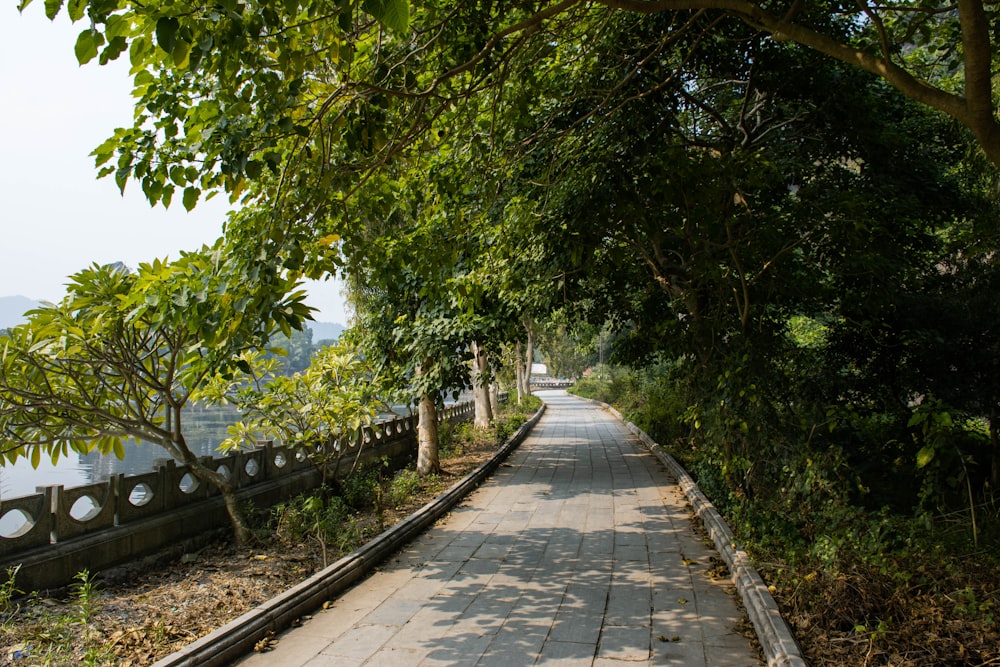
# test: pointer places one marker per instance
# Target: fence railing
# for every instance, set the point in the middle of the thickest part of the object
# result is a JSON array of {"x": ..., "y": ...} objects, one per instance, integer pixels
[
  {"x": 65, "y": 530},
  {"x": 550, "y": 383}
]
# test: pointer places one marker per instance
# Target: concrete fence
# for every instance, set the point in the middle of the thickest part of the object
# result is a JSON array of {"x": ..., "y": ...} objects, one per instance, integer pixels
[
  {"x": 550, "y": 383},
  {"x": 96, "y": 526}
]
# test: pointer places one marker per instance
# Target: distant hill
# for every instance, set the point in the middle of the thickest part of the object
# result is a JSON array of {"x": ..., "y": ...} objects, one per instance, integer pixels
[
  {"x": 325, "y": 330},
  {"x": 13, "y": 308}
]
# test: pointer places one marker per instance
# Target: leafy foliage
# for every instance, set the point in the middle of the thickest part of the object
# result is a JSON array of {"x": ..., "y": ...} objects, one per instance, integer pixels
[
  {"x": 124, "y": 353},
  {"x": 319, "y": 411}
]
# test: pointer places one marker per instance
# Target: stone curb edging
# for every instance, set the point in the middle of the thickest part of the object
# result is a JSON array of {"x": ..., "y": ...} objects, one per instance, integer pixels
[
  {"x": 776, "y": 638},
  {"x": 238, "y": 637}
]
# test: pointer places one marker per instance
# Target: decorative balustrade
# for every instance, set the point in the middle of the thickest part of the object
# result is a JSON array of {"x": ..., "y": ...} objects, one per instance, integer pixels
[
  {"x": 550, "y": 383},
  {"x": 163, "y": 504}
]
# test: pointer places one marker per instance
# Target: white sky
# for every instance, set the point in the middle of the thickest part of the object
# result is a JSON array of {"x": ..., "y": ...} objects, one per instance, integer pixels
[{"x": 55, "y": 216}]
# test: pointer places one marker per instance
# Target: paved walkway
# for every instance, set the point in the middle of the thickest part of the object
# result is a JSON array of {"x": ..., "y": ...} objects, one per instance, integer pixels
[{"x": 579, "y": 551}]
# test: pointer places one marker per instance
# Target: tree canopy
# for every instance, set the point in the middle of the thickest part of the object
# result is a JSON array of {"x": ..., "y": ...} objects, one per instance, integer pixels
[{"x": 274, "y": 100}]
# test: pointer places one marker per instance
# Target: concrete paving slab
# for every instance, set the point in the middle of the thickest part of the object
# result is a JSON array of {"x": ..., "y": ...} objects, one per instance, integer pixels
[
  {"x": 625, "y": 642},
  {"x": 304, "y": 648}
]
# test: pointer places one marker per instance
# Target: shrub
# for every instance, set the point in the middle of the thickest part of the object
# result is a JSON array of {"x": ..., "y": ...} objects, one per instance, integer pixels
[{"x": 403, "y": 487}]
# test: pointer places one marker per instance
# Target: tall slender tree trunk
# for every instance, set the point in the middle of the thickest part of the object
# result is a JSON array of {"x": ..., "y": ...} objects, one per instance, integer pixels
[
  {"x": 529, "y": 358},
  {"x": 494, "y": 393},
  {"x": 519, "y": 371},
  {"x": 428, "y": 459},
  {"x": 995, "y": 442},
  {"x": 480, "y": 388}
]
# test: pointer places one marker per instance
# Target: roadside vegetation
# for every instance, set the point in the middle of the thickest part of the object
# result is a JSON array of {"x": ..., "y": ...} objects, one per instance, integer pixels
[
  {"x": 874, "y": 558},
  {"x": 135, "y": 615}
]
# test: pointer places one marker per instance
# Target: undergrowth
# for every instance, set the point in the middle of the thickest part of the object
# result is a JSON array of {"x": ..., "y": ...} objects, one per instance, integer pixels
[{"x": 864, "y": 572}]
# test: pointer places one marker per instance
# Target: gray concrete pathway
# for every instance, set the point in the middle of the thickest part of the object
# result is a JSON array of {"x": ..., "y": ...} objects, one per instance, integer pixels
[{"x": 579, "y": 551}]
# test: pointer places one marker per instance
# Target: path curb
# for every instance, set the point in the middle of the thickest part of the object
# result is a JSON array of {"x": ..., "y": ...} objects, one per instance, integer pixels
[
  {"x": 776, "y": 638},
  {"x": 238, "y": 637}
]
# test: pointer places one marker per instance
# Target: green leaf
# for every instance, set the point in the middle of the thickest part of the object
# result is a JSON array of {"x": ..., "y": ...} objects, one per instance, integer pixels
[
  {"x": 191, "y": 195},
  {"x": 181, "y": 51},
  {"x": 52, "y": 8},
  {"x": 166, "y": 33},
  {"x": 116, "y": 26},
  {"x": 925, "y": 456},
  {"x": 121, "y": 178},
  {"x": 86, "y": 46},
  {"x": 393, "y": 14},
  {"x": 178, "y": 175},
  {"x": 76, "y": 9}
]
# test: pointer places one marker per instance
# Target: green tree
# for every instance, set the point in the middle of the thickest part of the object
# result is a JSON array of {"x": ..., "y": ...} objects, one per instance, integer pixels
[
  {"x": 122, "y": 354},
  {"x": 403, "y": 281},
  {"x": 700, "y": 214},
  {"x": 568, "y": 347},
  {"x": 319, "y": 411}
]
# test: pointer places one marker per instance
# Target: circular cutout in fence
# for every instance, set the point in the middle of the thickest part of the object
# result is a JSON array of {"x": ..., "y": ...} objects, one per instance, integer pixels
[
  {"x": 85, "y": 508},
  {"x": 300, "y": 456},
  {"x": 224, "y": 471},
  {"x": 15, "y": 523},
  {"x": 252, "y": 467},
  {"x": 141, "y": 494},
  {"x": 388, "y": 429},
  {"x": 188, "y": 483},
  {"x": 280, "y": 460}
]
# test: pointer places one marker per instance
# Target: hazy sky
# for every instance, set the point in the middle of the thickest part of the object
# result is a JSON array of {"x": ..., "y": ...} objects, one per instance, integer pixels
[{"x": 55, "y": 216}]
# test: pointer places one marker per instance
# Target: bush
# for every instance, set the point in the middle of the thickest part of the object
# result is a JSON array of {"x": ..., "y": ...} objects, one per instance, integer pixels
[
  {"x": 310, "y": 516},
  {"x": 363, "y": 488},
  {"x": 404, "y": 486}
]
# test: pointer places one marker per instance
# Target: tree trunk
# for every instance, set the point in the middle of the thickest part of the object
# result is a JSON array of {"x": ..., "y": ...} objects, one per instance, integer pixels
[
  {"x": 241, "y": 531},
  {"x": 529, "y": 358},
  {"x": 995, "y": 446},
  {"x": 494, "y": 392},
  {"x": 518, "y": 371},
  {"x": 428, "y": 461},
  {"x": 480, "y": 388}
]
